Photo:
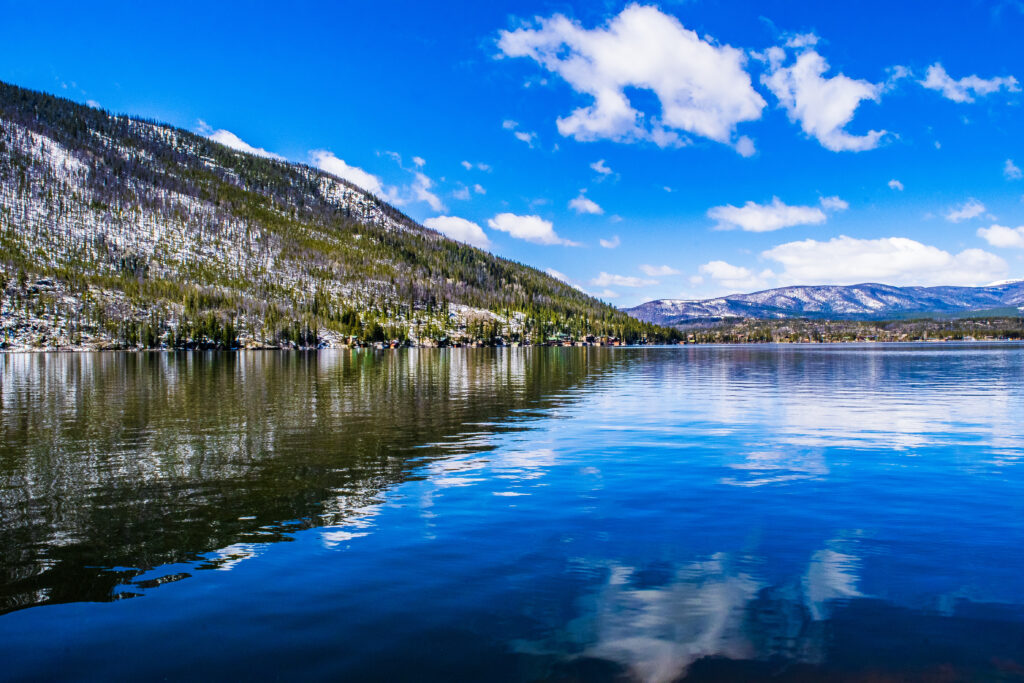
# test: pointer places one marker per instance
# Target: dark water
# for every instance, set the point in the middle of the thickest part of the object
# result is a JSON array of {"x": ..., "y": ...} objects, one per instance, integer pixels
[{"x": 782, "y": 513}]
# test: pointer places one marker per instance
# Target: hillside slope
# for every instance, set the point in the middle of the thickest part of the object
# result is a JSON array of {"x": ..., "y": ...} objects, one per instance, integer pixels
[
  {"x": 118, "y": 231},
  {"x": 854, "y": 302}
]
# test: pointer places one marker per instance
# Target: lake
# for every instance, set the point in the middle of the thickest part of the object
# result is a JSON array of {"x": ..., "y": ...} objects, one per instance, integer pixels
[{"x": 733, "y": 512}]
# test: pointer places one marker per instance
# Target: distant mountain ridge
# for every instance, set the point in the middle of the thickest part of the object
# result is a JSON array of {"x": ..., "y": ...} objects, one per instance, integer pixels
[{"x": 869, "y": 301}]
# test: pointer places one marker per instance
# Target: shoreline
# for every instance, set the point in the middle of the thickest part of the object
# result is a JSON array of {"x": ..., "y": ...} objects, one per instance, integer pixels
[{"x": 918, "y": 342}]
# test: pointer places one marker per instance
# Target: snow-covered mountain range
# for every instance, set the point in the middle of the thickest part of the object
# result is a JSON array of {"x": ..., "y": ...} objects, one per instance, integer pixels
[{"x": 867, "y": 301}]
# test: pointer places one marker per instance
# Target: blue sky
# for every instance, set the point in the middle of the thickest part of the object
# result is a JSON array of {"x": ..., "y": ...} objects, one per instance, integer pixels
[{"x": 641, "y": 151}]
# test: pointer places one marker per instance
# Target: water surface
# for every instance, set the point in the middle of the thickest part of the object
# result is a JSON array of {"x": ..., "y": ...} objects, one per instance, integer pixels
[{"x": 751, "y": 512}]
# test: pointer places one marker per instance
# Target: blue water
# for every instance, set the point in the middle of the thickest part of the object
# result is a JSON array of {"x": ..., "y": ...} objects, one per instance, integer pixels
[{"x": 748, "y": 512}]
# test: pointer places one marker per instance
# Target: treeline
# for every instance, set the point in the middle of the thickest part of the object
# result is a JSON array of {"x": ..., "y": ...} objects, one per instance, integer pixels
[{"x": 800, "y": 330}]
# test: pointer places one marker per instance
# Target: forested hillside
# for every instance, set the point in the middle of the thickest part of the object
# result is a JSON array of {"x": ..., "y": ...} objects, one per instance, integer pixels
[{"x": 116, "y": 231}]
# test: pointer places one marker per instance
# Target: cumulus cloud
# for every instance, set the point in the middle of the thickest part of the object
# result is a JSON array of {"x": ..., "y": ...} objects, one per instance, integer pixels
[
  {"x": 459, "y": 229},
  {"x": 966, "y": 88},
  {"x": 582, "y": 204},
  {"x": 529, "y": 137},
  {"x": 558, "y": 275},
  {"x": 745, "y": 146},
  {"x": 1011, "y": 171},
  {"x": 802, "y": 40},
  {"x": 607, "y": 279},
  {"x": 657, "y": 271},
  {"x": 754, "y": 217},
  {"x": 972, "y": 208},
  {"x": 822, "y": 106},
  {"x": 94, "y": 104},
  {"x": 1002, "y": 236},
  {"x": 834, "y": 203},
  {"x": 889, "y": 260},
  {"x": 896, "y": 185},
  {"x": 733, "y": 277},
  {"x": 610, "y": 244},
  {"x": 421, "y": 191},
  {"x": 469, "y": 165},
  {"x": 601, "y": 167},
  {"x": 702, "y": 87},
  {"x": 479, "y": 189},
  {"x": 419, "y": 161},
  {"x": 229, "y": 139},
  {"x": 530, "y": 228},
  {"x": 461, "y": 193},
  {"x": 326, "y": 161}
]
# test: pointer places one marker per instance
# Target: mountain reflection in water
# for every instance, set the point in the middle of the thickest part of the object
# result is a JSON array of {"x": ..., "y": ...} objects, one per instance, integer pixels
[{"x": 515, "y": 514}]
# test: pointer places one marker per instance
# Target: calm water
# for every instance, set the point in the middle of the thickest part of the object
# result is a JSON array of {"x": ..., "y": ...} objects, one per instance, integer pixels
[{"x": 514, "y": 514}]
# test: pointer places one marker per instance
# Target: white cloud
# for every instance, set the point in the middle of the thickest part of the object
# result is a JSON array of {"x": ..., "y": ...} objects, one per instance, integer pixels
[
  {"x": 326, "y": 161},
  {"x": 558, "y": 275},
  {"x": 529, "y": 138},
  {"x": 530, "y": 228},
  {"x": 889, "y": 260},
  {"x": 753, "y": 217},
  {"x": 468, "y": 166},
  {"x": 745, "y": 146},
  {"x": 802, "y": 40},
  {"x": 583, "y": 205},
  {"x": 479, "y": 189},
  {"x": 972, "y": 208},
  {"x": 656, "y": 271},
  {"x": 606, "y": 294},
  {"x": 459, "y": 229},
  {"x": 419, "y": 161},
  {"x": 229, "y": 139},
  {"x": 968, "y": 87},
  {"x": 1002, "y": 236},
  {"x": 610, "y": 244},
  {"x": 703, "y": 88},
  {"x": 1011, "y": 171},
  {"x": 601, "y": 167},
  {"x": 896, "y": 185},
  {"x": 421, "y": 190},
  {"x": 94, "y": 104},
  {"x": 733, "y": 277},
  {"x": 606, "y": 279},
  {"x": 822, "y": 106},
  {"x": 461, "y": 193},
  {"x": 834, "y": 203}
]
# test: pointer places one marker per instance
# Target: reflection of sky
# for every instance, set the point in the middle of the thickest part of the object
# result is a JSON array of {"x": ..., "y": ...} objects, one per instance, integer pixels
[
  {"x": 768, "y": 428},
  {"x": 713, "y": 607}
]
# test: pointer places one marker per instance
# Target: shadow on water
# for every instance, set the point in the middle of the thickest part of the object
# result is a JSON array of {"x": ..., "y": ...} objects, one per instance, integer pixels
[{"x": 113, "y": 464}]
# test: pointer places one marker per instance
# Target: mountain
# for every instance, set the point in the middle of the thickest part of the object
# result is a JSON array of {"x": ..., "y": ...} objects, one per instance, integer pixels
[
  {"x": 125, "y": 232},
  {"x": 853, "y": 302}
]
